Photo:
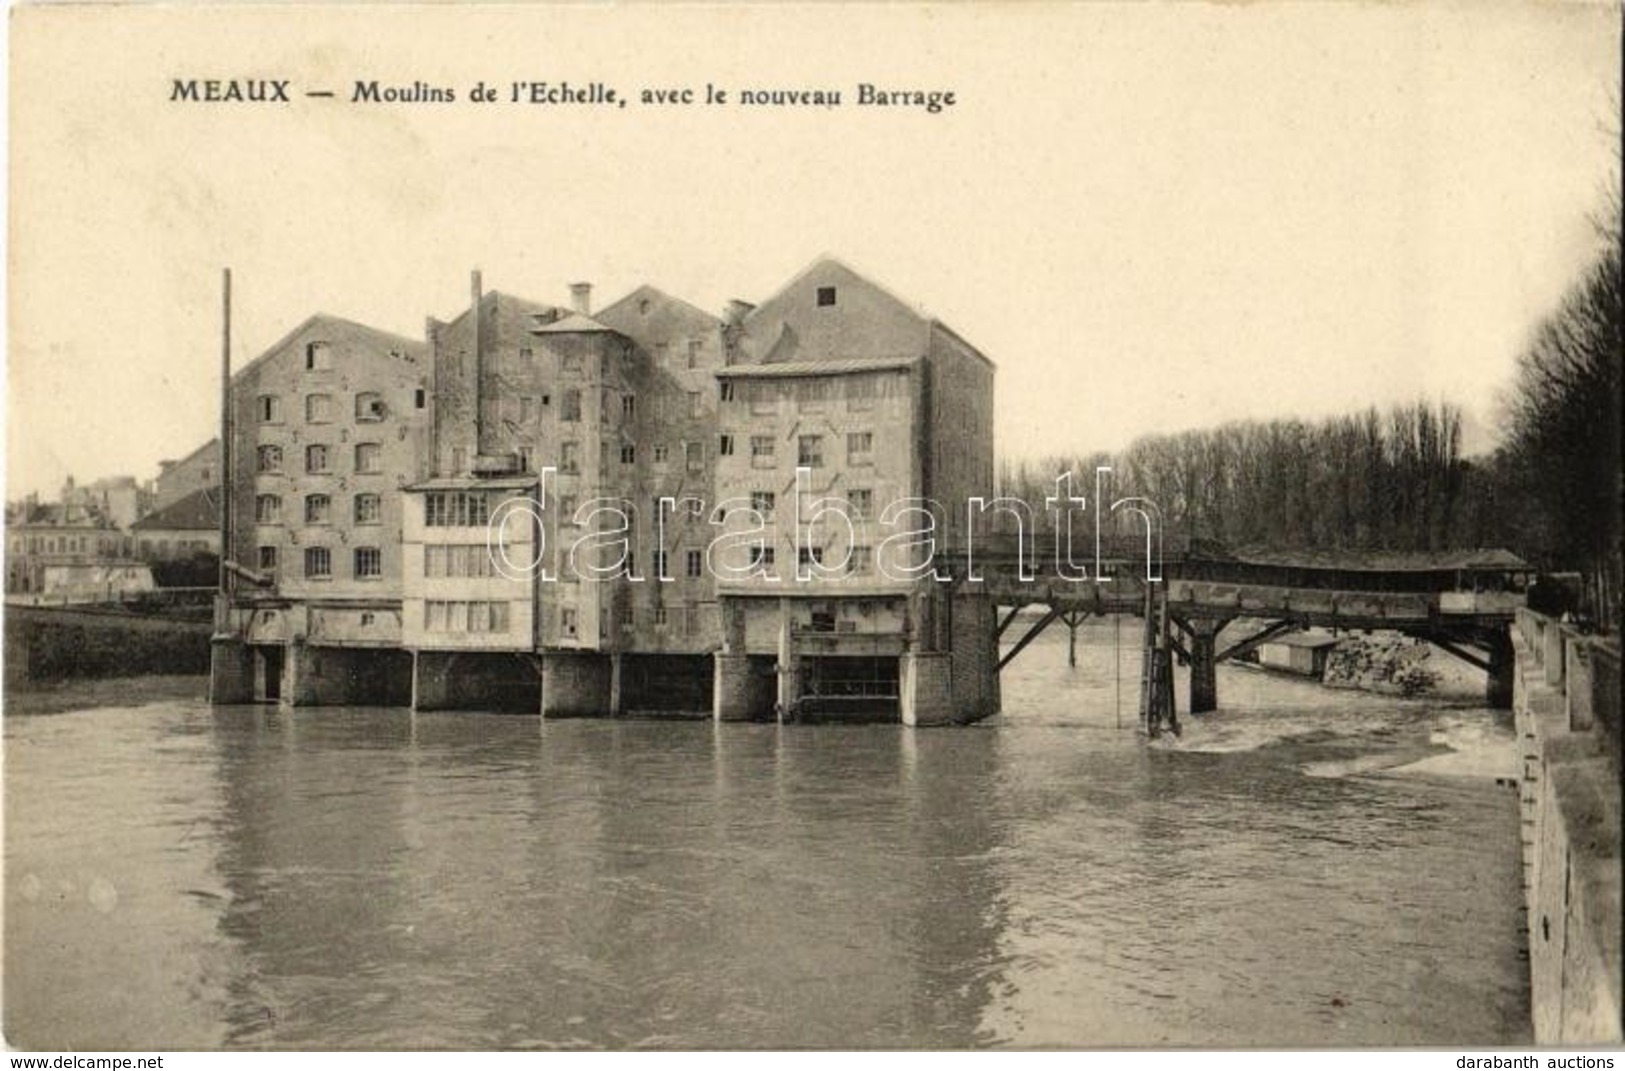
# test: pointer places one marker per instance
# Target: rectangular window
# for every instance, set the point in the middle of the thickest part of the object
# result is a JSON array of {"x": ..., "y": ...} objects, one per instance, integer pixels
[
  {"x": 725, "y": 446},
  {"x": 860, "y": 448},
  {"x": 764, "y": 398},
  {"x": 318, "y": 563},
  {"x": 316, "y": 458},
  {"x": 318, "y": 509},
  {"x": 456, "y": 509},
  {"x": 695, "y": 406},
  {"x": 861, "y": 560},
  {"x": 761, "y": 451},
  {"x": 268, "y": 560},
  {"x": 318, "y": 408},
  {"x": 810, "y": 451},
  {"x": 629, "y": 406},
  {"x": 660, "y": 617},
  {"x": 629, "y": 453},
  {"x": 567, "y": 621},
  {"x": 725, "y": 391},
  {"x": 267, "y": 409},
  {"x": 420, "y": 398},
  {"x": 696, "y": 563},
  {"x": 369, "y": 563},
  {"x": 695, "y": 455},
  {"x": 369, "y": 457},
  {"x": 810, "y": 555},
  {"x": 826, "y": 296},
  {"x": 571, "y": 362},
  {"x": 527, "y": 459},
  {"x": 268, "y": 459},
  {"x": 762, "y": 503},
  {"x": 268, "y": 509},
  {"x": 660, "y": 563},
  {"x": 860, "y": 393},
  {"x": 694, "y": 347},
  {"x": 569, "y": 458},
  {"x": 570, "y": 406},
  {"x": 860, "y": 502},
  {"x": 368, "y": 509},
  {"x": 567, "y": 509},
  {"x": 441, "y": 615},
  {"x": 660, "y": 454},
  {"x": 318, "y": 356},
  {"x": 527, "y": 410},
  {"x": 459, "y": 560},
  {"x": 369, "y": 406}
]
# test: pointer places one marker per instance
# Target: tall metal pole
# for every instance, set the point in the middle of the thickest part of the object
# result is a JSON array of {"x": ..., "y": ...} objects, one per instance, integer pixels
[{"x": 225, "y": 431}]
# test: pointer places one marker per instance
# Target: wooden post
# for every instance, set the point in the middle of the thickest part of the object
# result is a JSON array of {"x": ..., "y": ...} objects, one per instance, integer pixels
[{"x": 225, "y": 437}]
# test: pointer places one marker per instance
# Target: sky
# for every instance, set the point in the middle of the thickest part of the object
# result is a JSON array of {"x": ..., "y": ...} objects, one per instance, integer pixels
[{"x": 1151, "y": 217}]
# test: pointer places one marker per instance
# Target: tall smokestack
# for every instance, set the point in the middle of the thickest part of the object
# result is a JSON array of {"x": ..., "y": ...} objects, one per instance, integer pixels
[
  {"x": 225, "y": 437},
  {"x": 581, "y": 298},
  {"x": 475, "y": 294}
]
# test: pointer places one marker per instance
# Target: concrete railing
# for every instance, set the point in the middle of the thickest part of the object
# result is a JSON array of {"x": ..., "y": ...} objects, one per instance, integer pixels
[{"x": 1566, "y": 702}]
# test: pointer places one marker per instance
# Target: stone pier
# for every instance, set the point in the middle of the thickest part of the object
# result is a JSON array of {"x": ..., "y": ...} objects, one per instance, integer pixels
[{"x": 1566, "y": 706}]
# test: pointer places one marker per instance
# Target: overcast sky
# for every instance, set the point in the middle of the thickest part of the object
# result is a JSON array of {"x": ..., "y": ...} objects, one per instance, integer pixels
[{"x": 1150, "y": 217}]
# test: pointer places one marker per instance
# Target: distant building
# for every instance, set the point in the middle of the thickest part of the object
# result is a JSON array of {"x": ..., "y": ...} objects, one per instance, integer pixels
[
  {"x": 197, "y": 471},
  {"x": 186, "y": 526},
  {"x": 116, "y": 500},
  {"x": 55, "y": 540}
]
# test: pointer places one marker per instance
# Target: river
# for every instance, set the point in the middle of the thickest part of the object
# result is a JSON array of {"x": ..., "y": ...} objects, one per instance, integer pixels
[{"x": 1307, "y": 867}]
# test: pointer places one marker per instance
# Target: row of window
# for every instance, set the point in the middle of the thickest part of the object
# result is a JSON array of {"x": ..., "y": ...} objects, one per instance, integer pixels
[
  {"x": 445, "y": 615},
  {"x": 319, "y": 408},
  {"x": 860, "y": 451},
  {"x": 366, "y": 508},
  {"x": 369, "y": 458},
  {"x": 812, "y": 395},
  {"x": 366, "y": 562},
  {"x": 67, "y": 545}
]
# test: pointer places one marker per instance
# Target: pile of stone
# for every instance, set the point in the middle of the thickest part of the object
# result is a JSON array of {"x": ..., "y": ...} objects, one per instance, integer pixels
[{"x": 1383, "y": 662}]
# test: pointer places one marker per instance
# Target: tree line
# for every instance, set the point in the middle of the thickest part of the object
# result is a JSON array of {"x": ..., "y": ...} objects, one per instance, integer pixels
[{"x": 1396, "y": 479}]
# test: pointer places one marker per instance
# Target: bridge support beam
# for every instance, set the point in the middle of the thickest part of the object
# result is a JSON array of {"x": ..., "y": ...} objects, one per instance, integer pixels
[
  {"x": 1204, "y": 636},
  {"x": 1498, "y": 683}
]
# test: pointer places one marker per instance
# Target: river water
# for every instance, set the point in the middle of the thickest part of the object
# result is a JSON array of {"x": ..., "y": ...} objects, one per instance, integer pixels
[{"x": 1307, "y": 867}]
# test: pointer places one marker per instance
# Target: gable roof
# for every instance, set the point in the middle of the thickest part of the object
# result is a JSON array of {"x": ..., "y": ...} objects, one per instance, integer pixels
[
  {"x": 410, "y": 347},
  {"x": 646, "y": 292},
  {"x": 198, "y": 511}
]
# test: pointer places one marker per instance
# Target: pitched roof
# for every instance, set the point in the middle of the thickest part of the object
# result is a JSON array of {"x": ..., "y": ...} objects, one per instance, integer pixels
[
  {"x": 198, "y": 511},
  {"x": 573, "y": 324},
  {"x": 835, "y": 367},
  {"x": 1383, "y": 561},
  {"x": 407, "y": 347}
]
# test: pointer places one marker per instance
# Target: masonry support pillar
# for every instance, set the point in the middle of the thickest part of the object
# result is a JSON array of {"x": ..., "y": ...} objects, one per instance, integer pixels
[
  {"x": 231, "y": 671},
  {"x": 925, "y": 684},
  {"x": 1204, "y": 633},
  {"x": 1503, "y": 667},
  {"x": 575, "y": 683}
]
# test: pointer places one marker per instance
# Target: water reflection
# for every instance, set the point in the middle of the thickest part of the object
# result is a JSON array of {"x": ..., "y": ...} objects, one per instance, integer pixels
[{"x": 373, "y": 879}]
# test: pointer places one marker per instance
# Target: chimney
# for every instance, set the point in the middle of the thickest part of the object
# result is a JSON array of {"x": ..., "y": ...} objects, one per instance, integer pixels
[
  {"x": 581, "y": 298},
  {"x": 479, "y": 360}
]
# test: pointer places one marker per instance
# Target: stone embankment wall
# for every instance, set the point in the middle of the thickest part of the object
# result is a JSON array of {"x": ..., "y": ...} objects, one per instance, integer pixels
[
  {"x": 1566, "y": 705},
  {"x": 53, "y": 643}
]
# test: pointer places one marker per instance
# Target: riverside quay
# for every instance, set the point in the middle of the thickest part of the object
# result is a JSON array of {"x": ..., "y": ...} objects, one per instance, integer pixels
[{"x": 366, "y": 475}]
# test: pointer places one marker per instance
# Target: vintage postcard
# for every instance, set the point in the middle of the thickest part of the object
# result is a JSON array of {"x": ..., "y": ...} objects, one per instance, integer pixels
[{"x": 880, "y": 526}]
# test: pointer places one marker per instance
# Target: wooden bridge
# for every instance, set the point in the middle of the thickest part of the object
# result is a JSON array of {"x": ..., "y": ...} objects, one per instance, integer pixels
[{"x": 1461, "y": 601}]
